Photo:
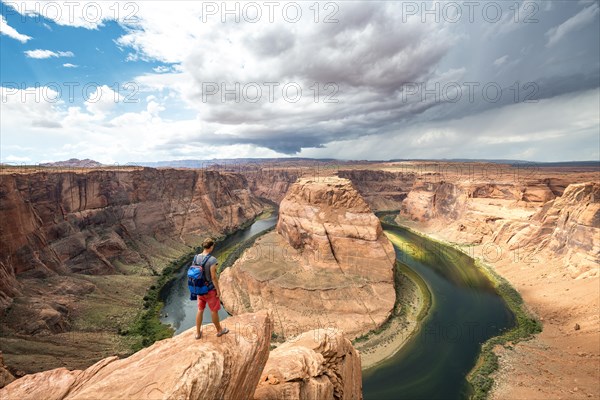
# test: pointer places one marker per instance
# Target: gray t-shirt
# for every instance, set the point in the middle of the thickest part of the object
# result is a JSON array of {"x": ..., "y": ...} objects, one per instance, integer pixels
[{"x": 199, "y": 260}]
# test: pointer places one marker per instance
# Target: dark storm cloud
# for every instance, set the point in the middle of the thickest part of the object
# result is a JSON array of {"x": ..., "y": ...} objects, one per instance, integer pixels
[
  {"x": 270, "y": 44},
  {"x": 373, "y": 55}
]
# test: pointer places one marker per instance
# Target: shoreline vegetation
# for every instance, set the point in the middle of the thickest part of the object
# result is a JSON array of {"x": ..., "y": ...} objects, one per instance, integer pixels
[
  {"x": 147, "y": 327},
  {"x": 526, "y": 325},
  {"x": 525, "y": 328}
]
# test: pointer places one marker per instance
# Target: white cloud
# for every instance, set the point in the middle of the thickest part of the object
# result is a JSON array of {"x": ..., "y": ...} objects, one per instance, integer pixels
[
  {"x": 366, "y": 60},
  {"x": 161, "y": 69},
  {"x": 9, "y": 31},
  {"x": 573, "y": 24},
  {"x": 92, "y": 131},
  {"x": 102, "y": 101},
  {"x": 69, "y": 65},
  {"x": 41, "y": 54},
  {"x": 15, "y": 159},
  {"x": 561, "y": 128},
  {"x": 501, "y": 60}
]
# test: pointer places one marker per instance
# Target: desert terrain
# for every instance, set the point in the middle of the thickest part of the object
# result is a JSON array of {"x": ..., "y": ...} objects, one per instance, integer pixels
[
  {"x": 539, "y": 227},
  {"x": 83, "y": 251}
]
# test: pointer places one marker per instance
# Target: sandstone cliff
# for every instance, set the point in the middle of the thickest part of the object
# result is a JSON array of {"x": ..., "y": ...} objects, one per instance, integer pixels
[
  {"x": 5, "y": 376},
  {"x": 386, "y": 186},
  {"x": 271, "y": 180},
  {"x": 382, "y": 190},
  {"x": 93, "y": 222},
  {"x": 319, "y": 364},
  {"x": 228, "y": 367},
  {"x": 327, "y": 265},
  {"x": 271, "y": 183},
  {"x": 567, "y": 228},
  {"x": 531, "y": 219},
  {"x": 426, "y": 201},
  {"x": 570, "y": 224}
]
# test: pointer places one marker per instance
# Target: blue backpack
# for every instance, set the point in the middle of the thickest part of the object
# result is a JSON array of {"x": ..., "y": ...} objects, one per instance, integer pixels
[{"x": 199, "y": 279}]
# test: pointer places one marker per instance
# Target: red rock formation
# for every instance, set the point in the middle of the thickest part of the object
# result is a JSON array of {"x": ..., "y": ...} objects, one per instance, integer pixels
[
  {"x": 505, "y": 214},
  {"x": 271, "y": 183},
  {"x": 567, "y": 227},
  {"x": 319, "y": 364},
  {"x": 329, "y": 219},
  {"x": 328, "y": 264},
  {"x": 228, "y": 367},
  {"x": 5, "y": 376},
  {"x": 541, "y": 232},
  {"x": 427, "y": 201},
  {"x": 382, "y": 190},
  {"x": 84, "y": 222}
]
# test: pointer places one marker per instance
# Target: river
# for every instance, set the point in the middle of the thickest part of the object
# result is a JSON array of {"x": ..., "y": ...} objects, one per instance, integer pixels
[
  {"x": 465, "y": 312},
  {"x": 433, "y": 364}
]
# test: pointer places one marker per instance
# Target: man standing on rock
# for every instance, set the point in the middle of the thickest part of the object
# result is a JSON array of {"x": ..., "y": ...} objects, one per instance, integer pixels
[{"x": 214, "y": 294}]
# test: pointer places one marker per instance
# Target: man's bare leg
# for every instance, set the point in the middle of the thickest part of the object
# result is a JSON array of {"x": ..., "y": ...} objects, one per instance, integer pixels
[
  {"x": 215, "y": 320},
  {"x": 199, "y": 323}
]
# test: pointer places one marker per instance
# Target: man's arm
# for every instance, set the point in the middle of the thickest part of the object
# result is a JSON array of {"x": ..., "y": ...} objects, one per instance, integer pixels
[{"x": 215, "y": 278}]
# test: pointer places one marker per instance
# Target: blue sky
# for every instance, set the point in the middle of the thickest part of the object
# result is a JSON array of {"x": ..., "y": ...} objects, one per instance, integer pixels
[{"x": 375, "y": 80}]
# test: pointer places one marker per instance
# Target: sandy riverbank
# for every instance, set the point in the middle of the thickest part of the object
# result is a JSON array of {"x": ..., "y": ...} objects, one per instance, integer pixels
[{"x": 412, "y": 306}]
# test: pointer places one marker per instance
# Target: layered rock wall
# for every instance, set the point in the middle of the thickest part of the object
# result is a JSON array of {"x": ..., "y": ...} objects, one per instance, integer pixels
[
  {"x": 382, "y": 190},
  {"x": 59, "y": 223}
]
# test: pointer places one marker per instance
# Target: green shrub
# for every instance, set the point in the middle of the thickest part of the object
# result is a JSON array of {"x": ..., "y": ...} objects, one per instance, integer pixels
[{"x": 525, "y": 327}]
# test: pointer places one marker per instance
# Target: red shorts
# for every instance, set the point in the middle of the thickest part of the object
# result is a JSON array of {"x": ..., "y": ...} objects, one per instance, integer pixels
[{"x": 211, "y": 298}]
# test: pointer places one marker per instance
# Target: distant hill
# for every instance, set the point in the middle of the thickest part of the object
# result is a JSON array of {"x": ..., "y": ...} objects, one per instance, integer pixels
[
  {"x": 514, "y": 163},
  {"x": 74, "y": 162}
]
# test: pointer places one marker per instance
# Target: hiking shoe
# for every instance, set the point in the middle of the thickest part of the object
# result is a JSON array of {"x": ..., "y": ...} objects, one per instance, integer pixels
[{"x": 224, "y": 331}]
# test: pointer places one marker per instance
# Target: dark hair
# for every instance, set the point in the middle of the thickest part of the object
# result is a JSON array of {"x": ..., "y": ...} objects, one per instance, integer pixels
[{"x": 208, "y": 243}]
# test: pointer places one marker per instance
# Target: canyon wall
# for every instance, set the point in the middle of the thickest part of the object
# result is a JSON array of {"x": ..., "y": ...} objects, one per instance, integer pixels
[
  {"x": 271, "y": 183},
  {"x": 567, "y": 228},
  {"x": 531, "y": 218},
  {"x": 94, "y": 222},
  {"x": 388, "y": 186},
  {"x": 328, "y": 264},
  {"x": 81, "y": 248},
  {"x": 538, "y": 227},
  {"x": 381, "y": 189}
]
